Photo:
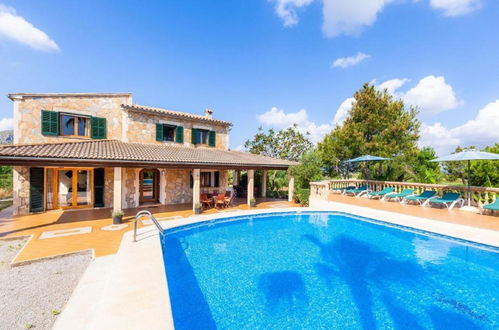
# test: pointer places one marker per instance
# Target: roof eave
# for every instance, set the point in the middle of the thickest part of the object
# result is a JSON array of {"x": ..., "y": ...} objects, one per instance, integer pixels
[
  {"x": 48, "y": 161},
  {"x": 186, "y": 116}
]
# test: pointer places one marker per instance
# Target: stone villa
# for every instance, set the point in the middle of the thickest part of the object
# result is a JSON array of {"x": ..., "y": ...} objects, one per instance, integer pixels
[{"x": 101, "y": 150}]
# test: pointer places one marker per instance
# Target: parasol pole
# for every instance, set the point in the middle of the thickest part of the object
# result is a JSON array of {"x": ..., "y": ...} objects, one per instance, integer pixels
[{"x": 469, "y": 183}]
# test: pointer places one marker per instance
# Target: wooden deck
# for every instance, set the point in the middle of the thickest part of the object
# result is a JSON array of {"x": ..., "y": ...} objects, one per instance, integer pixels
[{"x": 76, "y": 223}]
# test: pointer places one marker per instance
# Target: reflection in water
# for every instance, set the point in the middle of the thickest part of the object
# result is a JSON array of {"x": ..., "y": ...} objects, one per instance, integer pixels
[
  {"x": 283, "y": 291},
  {"x": 429, "y": 250},
  {"x": 319, "y": 219}
]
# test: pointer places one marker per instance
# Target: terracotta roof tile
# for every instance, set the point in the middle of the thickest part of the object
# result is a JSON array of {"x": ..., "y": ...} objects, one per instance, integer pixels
[
  {"x": 136, "y": 107},
  {"x": 113, "y": 150}
]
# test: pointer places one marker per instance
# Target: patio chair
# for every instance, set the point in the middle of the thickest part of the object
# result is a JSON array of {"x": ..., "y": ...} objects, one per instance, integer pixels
[
  {"x": 229, "y": 199},
  {"x": 381, "y": 193},
  {"x": 449, "y": 199},
  {"x": 206, "y": 202},
  {"x": 422, "y": 198},
  {"x": 357, "y": 191},
  {"x": 494, "y": 206},
  {"x": 220, "y": 201},
  {"x": 398, "y": 196}
]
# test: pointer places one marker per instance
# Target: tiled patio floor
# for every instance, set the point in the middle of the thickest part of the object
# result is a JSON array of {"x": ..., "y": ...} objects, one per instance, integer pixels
[
  {"x": 70, "y": 232},
  {"x": 442, "y": 214}
]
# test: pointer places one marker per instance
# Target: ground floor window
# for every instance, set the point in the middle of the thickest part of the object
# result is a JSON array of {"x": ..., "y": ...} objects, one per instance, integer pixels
[
  {"x": 68, "y": 187},
  {"x": 205, "y": 179}
]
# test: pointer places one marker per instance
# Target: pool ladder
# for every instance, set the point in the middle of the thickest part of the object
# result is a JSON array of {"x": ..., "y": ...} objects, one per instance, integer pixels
[{"x": 151, "y": 217}]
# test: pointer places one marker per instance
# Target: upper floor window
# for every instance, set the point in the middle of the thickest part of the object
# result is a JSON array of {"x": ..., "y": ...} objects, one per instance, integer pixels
[
  {"x": 54, "y": 123},
  {"x": 171, "y": 133},
  {"x": 72, "y": 125},
  {"x": 203, "y": 137}
]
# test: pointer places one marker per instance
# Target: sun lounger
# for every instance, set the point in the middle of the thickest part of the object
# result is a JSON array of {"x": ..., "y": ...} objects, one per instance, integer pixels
[
  {"x": 449, "y": 199},
  {"x": 357, "y": 191},
  {"x": 399, "y": 196},
  {"x": 494, "y": 206},
  {"x": 342, "y": 189},
  {"x": 421, "y": 198},
  {"x": 380, "y": 193}
]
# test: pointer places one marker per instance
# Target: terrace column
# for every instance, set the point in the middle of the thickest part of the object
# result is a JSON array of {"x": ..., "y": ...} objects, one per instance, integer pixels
[
  {"x": 117, "y": 189},
  {"x": 196, "y": 187},
  {"x": 264, "y": 183},
  {"x": 251, "y": 185},
  {"x": 291, "y": 188},
  {"x": 162, "y": 186},
  {"x": 235, "y": 180}
]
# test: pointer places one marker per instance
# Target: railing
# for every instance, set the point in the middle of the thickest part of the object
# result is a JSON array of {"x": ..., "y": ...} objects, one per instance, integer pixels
[
  {"x": 479, "y": 195},
  {"x": 150, "y": 216}
]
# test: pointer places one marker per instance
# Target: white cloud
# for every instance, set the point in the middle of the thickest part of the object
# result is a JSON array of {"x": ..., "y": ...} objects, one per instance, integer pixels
[
  {"x": 286, "y": 9},
  {"x": 343, "y": 110},
  {"x": 19, "y": 29},
  {"x": 349, "y": 17},
  {"x": 455, "y": 7},
  {"x": 280, "y": 119},
  {"x": 392, "y": 85},
  {"x": 481, "y": 131},
  {"x": 432, "y": 95},
  {"x": 345, "y": 62},
  {"x": 6, "y": 124}
]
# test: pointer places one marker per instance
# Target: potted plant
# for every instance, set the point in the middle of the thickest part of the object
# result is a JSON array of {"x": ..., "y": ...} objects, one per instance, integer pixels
[
  {"x": 117, "y": 217},
  {"x": 198, "y": 208},
  {"x": 252, "y": 202}
]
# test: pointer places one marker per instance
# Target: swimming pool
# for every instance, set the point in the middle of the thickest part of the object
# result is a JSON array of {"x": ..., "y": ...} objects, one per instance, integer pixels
[{"x": 323, "y": 270}]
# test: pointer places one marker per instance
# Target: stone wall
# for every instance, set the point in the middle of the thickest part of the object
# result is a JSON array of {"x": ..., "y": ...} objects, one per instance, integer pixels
[
  {"x": 130, "y": 186},
  {"x": 21, "y": 190},
  {"x": 27, "y": 115},
  {"x": 141, "y": 128},
  {"x": 108, "y": 186},
  {"x": 177, "y": 187}
]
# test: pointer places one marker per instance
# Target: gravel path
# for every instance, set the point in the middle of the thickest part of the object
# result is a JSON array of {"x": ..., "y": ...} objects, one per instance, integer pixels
[{"x": 32, "y": 295}]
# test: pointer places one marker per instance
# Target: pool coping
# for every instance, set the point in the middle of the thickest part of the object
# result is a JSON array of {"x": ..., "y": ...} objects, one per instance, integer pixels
[{"x": 129, "y": 301}]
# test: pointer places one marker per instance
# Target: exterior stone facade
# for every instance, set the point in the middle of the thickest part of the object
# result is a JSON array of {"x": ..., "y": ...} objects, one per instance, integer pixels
[
  {"x": 121, "y": 124},
  {"x": 130, "y": 187},
  {"x": 21, "y": 190},
  {"x": 141, "y": 128},
  {"x": 108, "y": 187},
  {"x": 27, "y": 115},
  {"x": 177, "y": 187}
]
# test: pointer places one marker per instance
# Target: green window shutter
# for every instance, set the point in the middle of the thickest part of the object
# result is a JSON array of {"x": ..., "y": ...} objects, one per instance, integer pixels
[
  {"x": 194, "y": 138},
  {"x": 179, "y": 134},
  {"x": 98, "y": 128},
  {"x": 212, "y": 138},
  {"x": 99, "y": 187},
  {"x": 50, "y": 123},
  {"x": 36, "y": 189},
  {"x": 159, "y": 132},
  {"x": 217, "y": 179}
]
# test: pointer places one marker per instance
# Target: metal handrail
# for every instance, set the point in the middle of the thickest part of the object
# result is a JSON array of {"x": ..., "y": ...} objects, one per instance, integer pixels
[{"x": 153, "y": 219}]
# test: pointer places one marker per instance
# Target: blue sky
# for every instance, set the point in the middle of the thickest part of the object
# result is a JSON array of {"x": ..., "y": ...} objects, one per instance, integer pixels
[{"x": 264, "y": 62}]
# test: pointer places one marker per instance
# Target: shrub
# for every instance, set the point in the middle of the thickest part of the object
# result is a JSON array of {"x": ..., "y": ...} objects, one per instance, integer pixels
[{"x": 302, "y": 196}]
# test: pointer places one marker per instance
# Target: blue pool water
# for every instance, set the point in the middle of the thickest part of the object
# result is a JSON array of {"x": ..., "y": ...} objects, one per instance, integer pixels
[{"x": 325, "y": 270}]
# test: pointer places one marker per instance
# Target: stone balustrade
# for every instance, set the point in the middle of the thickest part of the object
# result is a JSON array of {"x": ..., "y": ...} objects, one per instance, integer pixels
[{"x": 479, "y": 195}]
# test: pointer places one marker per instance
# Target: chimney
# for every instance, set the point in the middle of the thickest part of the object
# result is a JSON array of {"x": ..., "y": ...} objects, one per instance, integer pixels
[{"x": 208, "y": 113}]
